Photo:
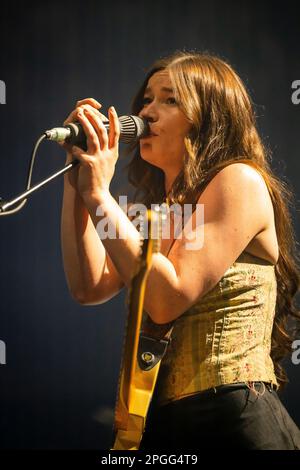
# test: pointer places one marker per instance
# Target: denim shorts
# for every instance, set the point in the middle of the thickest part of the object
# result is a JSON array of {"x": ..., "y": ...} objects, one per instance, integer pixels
[{"x": 230, "y": 416}]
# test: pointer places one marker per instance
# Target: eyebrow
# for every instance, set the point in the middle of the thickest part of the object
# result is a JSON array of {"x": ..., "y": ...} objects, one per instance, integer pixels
[{"x": 165, "y": 89}]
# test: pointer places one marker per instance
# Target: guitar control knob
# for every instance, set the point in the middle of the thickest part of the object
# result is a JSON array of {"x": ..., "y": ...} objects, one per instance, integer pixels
[{"x": 148, "y": 358}]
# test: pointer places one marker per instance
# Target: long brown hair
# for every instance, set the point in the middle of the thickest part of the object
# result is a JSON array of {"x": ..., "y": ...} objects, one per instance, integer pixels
[{"x": 216, "y": 102}]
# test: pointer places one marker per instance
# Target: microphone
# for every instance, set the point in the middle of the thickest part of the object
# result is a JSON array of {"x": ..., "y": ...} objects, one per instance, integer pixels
[{"x": 131, "y": 128}]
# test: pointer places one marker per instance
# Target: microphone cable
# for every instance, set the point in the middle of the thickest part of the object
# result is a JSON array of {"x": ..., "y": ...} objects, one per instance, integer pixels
[{"x": 4, "y": 204}]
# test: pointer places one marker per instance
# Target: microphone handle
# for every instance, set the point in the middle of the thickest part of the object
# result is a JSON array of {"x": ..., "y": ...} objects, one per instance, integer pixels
[
  {"x": 131, "y": 128},
  {"x": 77, "y": 135}
]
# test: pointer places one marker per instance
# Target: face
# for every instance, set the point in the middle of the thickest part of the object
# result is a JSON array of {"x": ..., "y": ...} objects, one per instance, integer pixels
[{"x": 165, "y": 149}]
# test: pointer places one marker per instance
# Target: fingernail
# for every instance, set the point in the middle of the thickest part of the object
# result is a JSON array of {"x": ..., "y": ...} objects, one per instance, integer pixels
[{"x": 112, "y": 109}]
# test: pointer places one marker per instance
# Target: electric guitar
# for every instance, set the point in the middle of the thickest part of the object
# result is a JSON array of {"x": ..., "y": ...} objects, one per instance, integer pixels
[{"x": 142, "y": 351}]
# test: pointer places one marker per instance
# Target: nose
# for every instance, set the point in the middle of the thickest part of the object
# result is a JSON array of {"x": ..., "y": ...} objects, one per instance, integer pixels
[{"x": 149, "y": 113}]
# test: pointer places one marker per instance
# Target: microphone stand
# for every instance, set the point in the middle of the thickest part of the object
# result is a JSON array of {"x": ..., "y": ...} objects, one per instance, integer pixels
[
  {"x": 132, "y": 127},
  {"x": 4, "y": 205}
]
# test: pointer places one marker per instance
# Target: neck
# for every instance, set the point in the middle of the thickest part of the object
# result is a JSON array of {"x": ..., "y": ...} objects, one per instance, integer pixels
[{"x": 169, "y": 180}]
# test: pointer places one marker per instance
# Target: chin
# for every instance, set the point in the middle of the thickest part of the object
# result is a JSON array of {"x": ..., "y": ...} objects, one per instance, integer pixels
[{"x": 147, "y": 157}]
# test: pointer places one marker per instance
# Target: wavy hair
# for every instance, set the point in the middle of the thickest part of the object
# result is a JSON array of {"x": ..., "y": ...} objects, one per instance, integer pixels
[{"x": 215, "y": 100}]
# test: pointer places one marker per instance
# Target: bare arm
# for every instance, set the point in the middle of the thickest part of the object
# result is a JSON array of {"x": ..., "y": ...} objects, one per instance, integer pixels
[
  {"x": 124, "y": 250},
  {"x": 90, "y": 273}
]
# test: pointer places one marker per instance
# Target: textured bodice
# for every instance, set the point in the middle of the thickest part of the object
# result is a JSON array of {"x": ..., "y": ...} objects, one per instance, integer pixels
[{"x": 226, "y": 336}]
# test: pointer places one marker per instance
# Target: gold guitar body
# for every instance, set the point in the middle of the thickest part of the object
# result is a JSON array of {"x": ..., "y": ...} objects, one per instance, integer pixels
[{"x": 131, "y": 419}]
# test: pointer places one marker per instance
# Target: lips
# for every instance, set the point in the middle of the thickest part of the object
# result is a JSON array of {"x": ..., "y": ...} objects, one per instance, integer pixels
[{"x": 151, "y": 134}]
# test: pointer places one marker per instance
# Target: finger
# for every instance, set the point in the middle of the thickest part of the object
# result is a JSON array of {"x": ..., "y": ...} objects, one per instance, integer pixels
[
  {"x": 114, "y": 128},
  {"x": 99, "y": 127},
  {"x": 94, "y": 111},
  {"x": 93, "y": 143},
  {"x": 95, "y": 118},
  {"x": 71, "y": 118},
  {"x": 65, "y": 146},
  {"x": 80, "y": 154},
  {"x": 90, "y": 101}
]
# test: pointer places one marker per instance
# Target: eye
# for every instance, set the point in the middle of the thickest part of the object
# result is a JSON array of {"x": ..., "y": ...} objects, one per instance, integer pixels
[
  {"x": 146, "y": 100},
  {"x": 171, "y": 100}
]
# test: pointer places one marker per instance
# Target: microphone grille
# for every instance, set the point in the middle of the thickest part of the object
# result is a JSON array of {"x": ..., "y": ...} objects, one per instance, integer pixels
[{"x": 132, "y": 127}]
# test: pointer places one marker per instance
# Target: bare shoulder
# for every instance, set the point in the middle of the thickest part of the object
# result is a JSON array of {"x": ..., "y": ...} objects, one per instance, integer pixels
[
  {"x": 251, "y": 186},
  {"x": 237, "y": 174},
  {"x": 235, "y": 186}
]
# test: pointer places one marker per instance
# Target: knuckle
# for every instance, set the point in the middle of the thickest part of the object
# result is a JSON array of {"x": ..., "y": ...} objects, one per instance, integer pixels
[
  {"x": 94, "y": 111},
  {"x": 94, "y": 141},
  {"x": 79, "y": 110},
  {"x": 90, "y": 161},
  {"x": 103, "y": 131},
  {"x": 103, "y": 118},
  {"x": 91, "y": 108}
]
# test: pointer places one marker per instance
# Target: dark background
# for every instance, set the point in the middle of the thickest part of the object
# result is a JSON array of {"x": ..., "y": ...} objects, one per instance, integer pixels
[{"x": 57, "y": 389}]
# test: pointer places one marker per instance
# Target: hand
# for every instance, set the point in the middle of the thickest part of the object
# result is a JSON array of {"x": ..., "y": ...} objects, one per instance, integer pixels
[
  {"x": 97, "y": 164},
  {"x": 72, "y": 175}
]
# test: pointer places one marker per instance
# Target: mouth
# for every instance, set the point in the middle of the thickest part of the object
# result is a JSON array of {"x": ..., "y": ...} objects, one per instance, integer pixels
[{"x": 151, "y": 134}]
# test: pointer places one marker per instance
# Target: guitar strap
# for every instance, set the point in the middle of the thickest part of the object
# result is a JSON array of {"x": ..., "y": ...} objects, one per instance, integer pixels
[{"x": 153, "y": 342}]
